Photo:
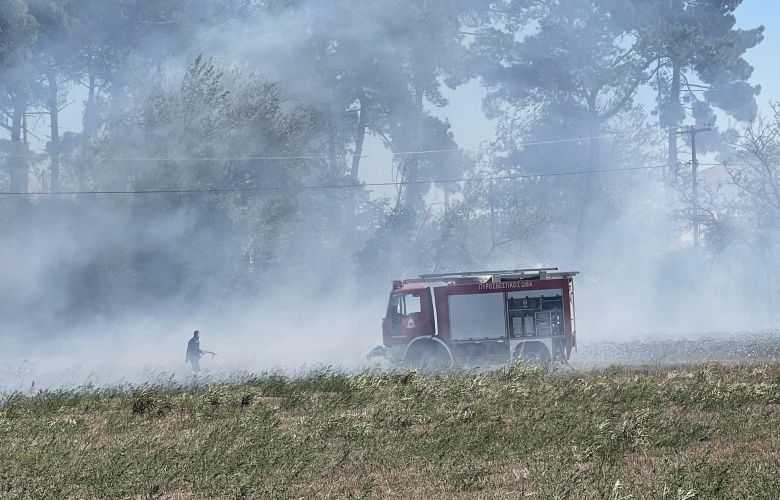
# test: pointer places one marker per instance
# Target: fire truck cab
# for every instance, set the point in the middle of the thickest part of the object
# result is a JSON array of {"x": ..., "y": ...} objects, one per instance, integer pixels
[{"x": 481, "y": 318}]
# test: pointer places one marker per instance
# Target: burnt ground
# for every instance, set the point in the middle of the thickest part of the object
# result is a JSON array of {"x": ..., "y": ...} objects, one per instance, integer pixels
[{"x": 763, "y": 346}]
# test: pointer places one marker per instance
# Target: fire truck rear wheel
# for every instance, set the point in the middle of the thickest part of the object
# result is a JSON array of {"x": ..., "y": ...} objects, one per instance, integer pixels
[
  {"x": 428, "y": 354},
  {"x": 533, "y": 354}
]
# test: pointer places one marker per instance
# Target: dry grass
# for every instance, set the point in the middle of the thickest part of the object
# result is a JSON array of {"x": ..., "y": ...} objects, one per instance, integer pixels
[{"x": 706, "y": 431}]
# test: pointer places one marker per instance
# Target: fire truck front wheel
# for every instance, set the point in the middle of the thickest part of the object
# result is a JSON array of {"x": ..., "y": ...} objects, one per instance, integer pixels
[
  {"x": 533, "y": 354},
  {"x": 428, "y": 353}
]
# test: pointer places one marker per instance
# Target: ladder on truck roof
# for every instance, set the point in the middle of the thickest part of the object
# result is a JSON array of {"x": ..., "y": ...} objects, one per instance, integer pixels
[{"x": 495, "y": 276}]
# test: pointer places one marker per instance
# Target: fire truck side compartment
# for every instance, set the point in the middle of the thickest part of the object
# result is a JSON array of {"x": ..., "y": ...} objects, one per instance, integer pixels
[
  {"x": 535, "y": 313},
  {"x": 477, "y": 316}
]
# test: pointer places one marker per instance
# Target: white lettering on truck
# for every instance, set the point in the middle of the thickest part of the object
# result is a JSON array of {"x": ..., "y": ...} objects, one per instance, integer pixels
[{"x": 506, "y": 285}]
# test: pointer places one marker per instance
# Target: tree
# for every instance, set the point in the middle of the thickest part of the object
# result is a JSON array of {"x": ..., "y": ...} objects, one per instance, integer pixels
[
  {"x": 758, "y": 180},
  {"x": 210, "y": 129},
  {"x": 697, "y": 58},
  {"x": 571, "y": 73},
  {"x": 17, "y": 36},
  {"x": 53, "y": 59},
  {"x": 373, "y": 67}
]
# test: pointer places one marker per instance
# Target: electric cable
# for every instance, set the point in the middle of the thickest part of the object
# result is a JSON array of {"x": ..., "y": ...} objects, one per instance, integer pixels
[{"x": 326, "y": 186}]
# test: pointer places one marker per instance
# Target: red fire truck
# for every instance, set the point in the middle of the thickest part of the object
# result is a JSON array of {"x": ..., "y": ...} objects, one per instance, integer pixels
[{"x": 480, "y": 318}]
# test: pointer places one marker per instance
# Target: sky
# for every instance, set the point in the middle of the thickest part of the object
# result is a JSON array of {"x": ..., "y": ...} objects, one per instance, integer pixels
[{"x": 753, "y": 13}]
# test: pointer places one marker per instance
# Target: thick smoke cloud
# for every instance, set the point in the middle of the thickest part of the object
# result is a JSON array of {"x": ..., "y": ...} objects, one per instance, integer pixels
[{"x": 249, "y": 117}]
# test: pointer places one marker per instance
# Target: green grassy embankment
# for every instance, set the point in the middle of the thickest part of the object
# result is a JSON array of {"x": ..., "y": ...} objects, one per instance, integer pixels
[{"x": 681, "y": 432}]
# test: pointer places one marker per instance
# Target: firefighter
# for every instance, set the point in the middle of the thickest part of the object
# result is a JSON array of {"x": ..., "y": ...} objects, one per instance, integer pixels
[{"x": 194, "y": 352}]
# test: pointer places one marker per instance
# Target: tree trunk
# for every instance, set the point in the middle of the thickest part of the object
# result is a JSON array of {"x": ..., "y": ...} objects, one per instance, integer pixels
[
  {"x": 17, "y": 163},
  {"x": 587, "y": 189},
  {"x": 54, "y": 116},
  {"x": 673, "y": 122},
  {"x": 16, "y": 121},
  {"x": 415, "y": 193},
  {"x": 360, "y": 136},
  {"x": 89, "y": 125},
  {"x": 91, "y": 115}
]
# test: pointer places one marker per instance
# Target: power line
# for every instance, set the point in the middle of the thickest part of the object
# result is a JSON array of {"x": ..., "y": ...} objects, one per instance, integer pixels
[
  {"x": 559, "y": 141},
  {"x": 313, "y": 157},
  {"x": 328, "y": 186},
  {"x": 190, "y": 158}
]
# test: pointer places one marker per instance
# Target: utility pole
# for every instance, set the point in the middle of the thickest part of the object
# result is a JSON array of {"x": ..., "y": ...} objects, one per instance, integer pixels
[{"x": 692, "y": 131}]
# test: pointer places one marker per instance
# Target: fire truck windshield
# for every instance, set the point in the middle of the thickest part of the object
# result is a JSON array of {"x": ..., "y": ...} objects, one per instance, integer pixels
[{"x": 404, "y": 304}]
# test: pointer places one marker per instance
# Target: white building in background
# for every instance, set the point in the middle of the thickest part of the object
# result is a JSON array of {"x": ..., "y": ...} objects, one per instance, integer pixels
[{"x": 717, "y": 178}]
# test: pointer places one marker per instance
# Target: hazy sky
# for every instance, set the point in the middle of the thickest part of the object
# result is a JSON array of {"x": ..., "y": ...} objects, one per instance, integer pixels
[{"x": 764, "y": 57}]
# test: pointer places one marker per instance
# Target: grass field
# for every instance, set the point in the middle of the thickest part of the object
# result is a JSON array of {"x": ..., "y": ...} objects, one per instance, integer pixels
[{"x": 709, "y": 431}]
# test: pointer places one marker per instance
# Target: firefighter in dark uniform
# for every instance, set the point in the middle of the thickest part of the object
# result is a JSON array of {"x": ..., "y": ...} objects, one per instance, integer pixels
[{"x": 194, "y": 352}]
